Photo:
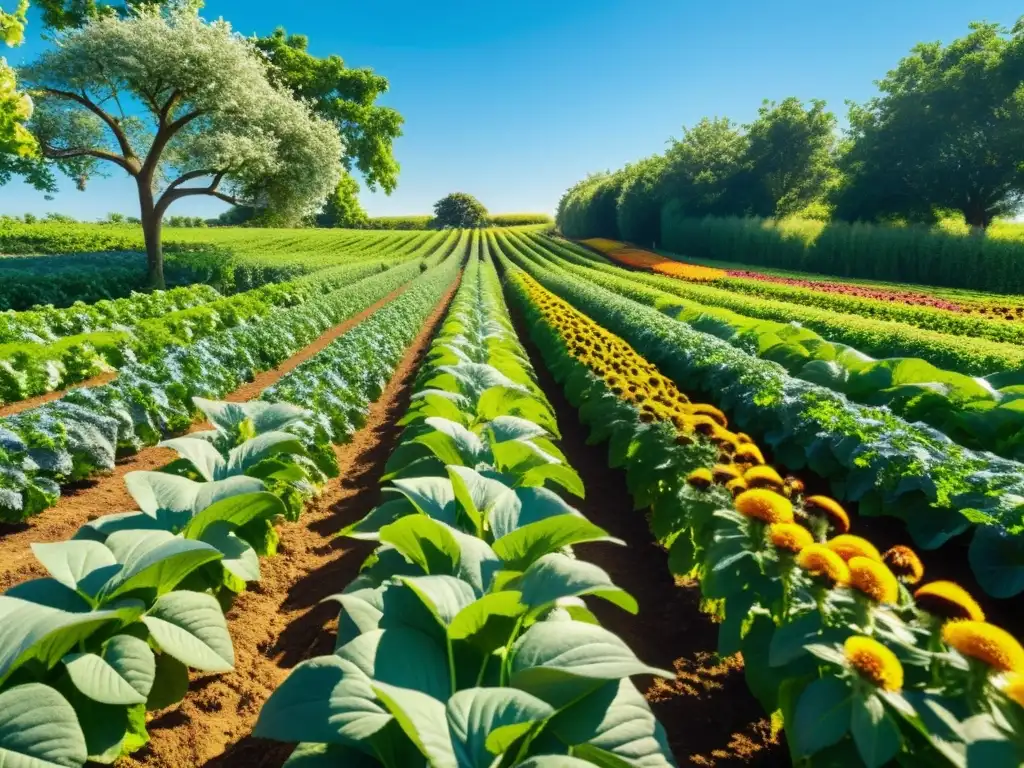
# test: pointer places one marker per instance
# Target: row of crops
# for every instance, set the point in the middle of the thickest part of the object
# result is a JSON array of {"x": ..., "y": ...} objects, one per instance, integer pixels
[{"x": 469, "y": 636}]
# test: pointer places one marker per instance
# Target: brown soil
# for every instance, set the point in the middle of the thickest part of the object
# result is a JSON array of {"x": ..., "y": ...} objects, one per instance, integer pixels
[
  {"x": 107, "y": 494},
  {"x": 280, "y": 622},
  {"x": 34, "y": 402},
  {"x": 708, "y": 713}
]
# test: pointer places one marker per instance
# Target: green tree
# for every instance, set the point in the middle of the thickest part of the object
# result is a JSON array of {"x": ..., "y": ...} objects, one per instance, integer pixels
[
  {"x": 208, "y": 114},
  {"x": 701, "y": 169},
  {"x": 343, "y": 208},
  {"x": 638, "y": 212},
  {"x": 459, "y": 211},
  {"x": 789, "y": 161},
  {"x": 68, "y": 14},
  {"x": 945, "y": 132}
]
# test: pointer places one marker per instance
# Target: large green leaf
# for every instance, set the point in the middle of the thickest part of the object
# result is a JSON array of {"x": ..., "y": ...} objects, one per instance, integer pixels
[
  {"x": 504, "y": 401},
  {"x": 485, "y": 722},
  {"x": 252, "y": 452},
  {"x": 39, "y": 729},
  {"x": 443, "y": 596},
  {"x": 555, "y": 576},
  {"x": 329, "y": 756},
  {"x": 153, "y": 560},
  {"x": 237, "y": 555},
  {"x": 191, "y": 627},
  {"x": 236, "y": 510},
  {"x": 122, "y": 674},
  {"x": 452, "y": 443},
  {"x": 524, "y": 546},
  {"x": 522, "y": 506},
  {"x": 424, "y": 721},
  {"x": 558, "y": 661},
  {"x": 822, "y": 716},
  {"x": 426, "y": 542},
  {"x": 265, "y": 417},
  {"x": 401, "y": 656},
  {"x": 488, "y": 622},
  {"x": 70, "y": 562},
  {"x": 175, "y": 500},
  {"x": 326, "y": 700},
  {"x": 200, "y": 454},
  {"x": 614, "y": 725},
  {"x": 475, "y": 493},
  {"x": 433, "y": 496},
  {"x": 997, "y": 559}
]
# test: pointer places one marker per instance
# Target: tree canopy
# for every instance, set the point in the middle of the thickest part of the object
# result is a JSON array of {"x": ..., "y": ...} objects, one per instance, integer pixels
[
  {"x": 945, "y": 132},
  {"x": 207, "y": 114},
  {"x": 343, "y": 208},
  {"x": 460, "y": 211}
]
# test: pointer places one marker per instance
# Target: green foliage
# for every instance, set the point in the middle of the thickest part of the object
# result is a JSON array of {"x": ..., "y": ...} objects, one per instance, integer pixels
[
  {"x": 946, "y": 132},
  {"x": 343, "y": 208},
  {"x": 518, "y": 219},
  {"x": 701, "y": 168},
  {"x": 638, "y": 209},
  {"x": 459, "y": 211},
  {"x": 588, "y": 209}
]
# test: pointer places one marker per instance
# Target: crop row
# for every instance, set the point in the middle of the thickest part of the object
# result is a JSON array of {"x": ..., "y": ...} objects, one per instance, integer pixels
[
  {"x": 863, "y": 663},
  {"x": 939, "y": 489},
  {"x": 31, "y": 369},
  {"x": 878, "y": 338},
  {"x": 82, "y": 433},
  {"x": 464, "y": 640},
  {"x": 982, "y": 414},
  {"x": 136, "y": 599}
]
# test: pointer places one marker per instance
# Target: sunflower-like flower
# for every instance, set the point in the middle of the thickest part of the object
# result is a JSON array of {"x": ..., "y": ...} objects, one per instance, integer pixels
[
  {"x": 716, "y": 415},
  {"x": 948, "y": 600},
  {"x": 848, "y": 546},
  {"x": 830, "y": 509},
  {"x": 874, "y": 579},
  {"x": 736, "y": 486},
  {"x": 700, "y": 478},
  {"x": 767, "y": 506},
  {"x": 790, "y": 537},
  {"x": 985, "y": 642},
  {"x": 763, "y": 476},
  {"x": 723, "y": 473},
  {"x": 819, "y": 560},
  {"x": 743, "y": 437},
  {"x": 905, "y": 563},
  {"x": 793, "y": 486},
  {"x": 874, "y": 662},
  {"x": 748, "y": 453}
]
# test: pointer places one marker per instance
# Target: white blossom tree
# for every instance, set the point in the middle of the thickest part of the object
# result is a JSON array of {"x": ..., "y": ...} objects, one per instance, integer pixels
[{"x": 184, "y": 107}]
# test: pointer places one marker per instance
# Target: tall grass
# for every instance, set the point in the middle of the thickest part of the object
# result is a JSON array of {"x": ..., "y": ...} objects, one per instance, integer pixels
[{"x": 941, "y": 256}]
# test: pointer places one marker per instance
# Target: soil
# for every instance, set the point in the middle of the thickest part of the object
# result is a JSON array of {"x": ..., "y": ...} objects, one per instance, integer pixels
[
  {"x": 34, "y": 402},
  {"x": 107, "y": 494},
  {"x": 280, "y": 621},
  {"x": 709, "y": 715}
]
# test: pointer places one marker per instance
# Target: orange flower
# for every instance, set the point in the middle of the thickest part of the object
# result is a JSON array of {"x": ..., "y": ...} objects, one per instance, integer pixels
[
  {"x": 819, "y": 560},
  {"x": 767, "y": 506},
  {"x": 905, "y": 563},
  {"x": 874, "y": 662},
  {"x": 948, "y": 600},
  {"x": 789, "y": 536},
  {"x": 763, "y": 476},
  {"x": 830, "y": 509},
  {"x": 749, "y": 453},
  {"x": 985, "y": 642},
  {"x": 848, "y": 546},
  {"x": 700, "y": 478},
  {"x": 874, "y": 579}
]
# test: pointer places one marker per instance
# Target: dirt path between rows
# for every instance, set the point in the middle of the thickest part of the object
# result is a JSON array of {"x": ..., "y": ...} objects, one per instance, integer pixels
[
  {"x": 280, "y": 622},
  {"x": 34, "y": 402},
  {"x": 107, "y": 494},
  {"x": 710, "y": 717}
]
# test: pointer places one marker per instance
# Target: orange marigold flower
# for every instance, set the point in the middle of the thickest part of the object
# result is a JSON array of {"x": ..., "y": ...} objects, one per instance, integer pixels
[
  {"x": 700, "y": 478},
  {"x": 948, "y": 600},
  {"x": 874, "y": 662},
  {"x": 765, "y": 505},
  {"x": 821, "y": 561},
  {"x": 985, "y": 642},
  {"x": 789, "y": 536},
  {"x": 848, "y": 546},
  {"x": 905, "y": 563},
  {"x": 874, "y": 579},
  {"x": 763, "y": 476},
  {"x": 829, "y": 509},
  {"x": 749, "y": 454}
]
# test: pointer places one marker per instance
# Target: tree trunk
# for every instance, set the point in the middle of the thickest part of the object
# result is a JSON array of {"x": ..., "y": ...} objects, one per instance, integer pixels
[
  {"x": 152, "y": 224},
  {"x": 977, "y": 218}
]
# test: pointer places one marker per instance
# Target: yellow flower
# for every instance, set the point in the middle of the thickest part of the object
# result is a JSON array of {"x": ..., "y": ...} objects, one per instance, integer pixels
[
  {"x": 821, "y": 561},
  {"x": 874, "y": 662},
  {"x": 762, "y": 504},
  {"x": 874, "y": 579},
  {"x": 703, "y": 409},
  {"x": 1014, "y": 688},
  {"x": 700, "y": 478},
  {"x": 790, "y": 536},
  {"x": 743, "y": 437},
  {"x": 828, "y": 508},
  {"x": 723, "y": 473},
  {"x": 948, "y": 600},
  {"x": 736, "y": 486},
  {"x": 905, "y": 563},
  {"x": 848, "y": 546},
  {"x": 794, "y": 486},
  {"x": 763, "y": 476},
  {"x": 986, "y": 642},
  {"x": 749, "y": 454}
]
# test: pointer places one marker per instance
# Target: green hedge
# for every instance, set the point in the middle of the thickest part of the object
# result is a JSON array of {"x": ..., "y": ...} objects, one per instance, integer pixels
[
  {"x": 911, "y": 254},
  {"x": 423, "y": 222}
]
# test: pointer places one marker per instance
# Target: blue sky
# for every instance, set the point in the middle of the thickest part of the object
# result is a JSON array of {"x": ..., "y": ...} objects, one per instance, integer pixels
[{"x": 515, "y": 100}]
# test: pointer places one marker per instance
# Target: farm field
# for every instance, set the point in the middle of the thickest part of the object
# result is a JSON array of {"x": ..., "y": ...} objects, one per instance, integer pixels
[{"x": 491, "y": 496}]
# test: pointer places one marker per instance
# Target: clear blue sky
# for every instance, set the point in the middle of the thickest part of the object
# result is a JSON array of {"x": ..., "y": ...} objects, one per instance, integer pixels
[{"x": 515, "y": 100}]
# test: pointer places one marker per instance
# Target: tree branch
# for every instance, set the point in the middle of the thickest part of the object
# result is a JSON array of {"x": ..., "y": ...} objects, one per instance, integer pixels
[
  {"x": 163, "y": 137},
  {"x": 175, "y": 192},
  {"x": 53, "y": 153},
  {"x": 112, "y": 123},
  {"x": 190, "y": 176}
]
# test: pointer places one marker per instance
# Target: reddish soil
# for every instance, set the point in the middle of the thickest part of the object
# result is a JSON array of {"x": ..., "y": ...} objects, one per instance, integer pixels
[
  {"x": 708, "y": 713},
  {"x": 107, "y": 494},
  {"x": 280, "y": 622},
  {"x": 34, "y": 402}
]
